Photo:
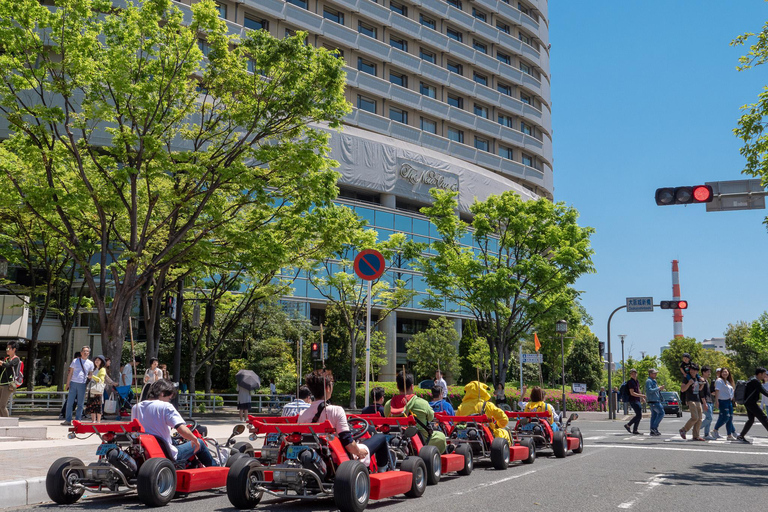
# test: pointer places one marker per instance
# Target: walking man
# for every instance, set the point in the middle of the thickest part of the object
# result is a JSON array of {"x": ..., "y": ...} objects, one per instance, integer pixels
[
  {"x": 633, "y": 386},
  {"x": 440, "y": 381},
  {"x": 692, "y": 389},
  {"x": 9, "y": 369},
  {"x": 601, "y": 399},
  {"x": 653, "y": 397},
  {"x": 706, "y": 402},
  {"x": 752, "y": 396},
  {"x": 79, "y": 372}
]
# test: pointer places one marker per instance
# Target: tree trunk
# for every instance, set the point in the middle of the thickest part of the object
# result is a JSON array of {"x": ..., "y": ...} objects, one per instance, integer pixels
[
  {"x": 29, "y": 366},
  {"x": 208, "y": 381},
  {"x": 63, "y": 357}
]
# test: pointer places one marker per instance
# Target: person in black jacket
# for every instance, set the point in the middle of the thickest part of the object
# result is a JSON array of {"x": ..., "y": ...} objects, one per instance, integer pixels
[{"x": 751, "y": 401}]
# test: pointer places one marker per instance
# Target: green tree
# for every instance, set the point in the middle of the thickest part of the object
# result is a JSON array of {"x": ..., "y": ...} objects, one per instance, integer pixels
[
  {"x": 673, "y": 356},
  {"x": 713, "y": 359},
  {"x": 583, "y": 363},
  {"x": 130, "y": 142},
  {"x": 432, "y": 347},
  {"x": 745, "y": 358},
  {"x": 480, "y": 357},
  {"x": 529, "y": 254}
]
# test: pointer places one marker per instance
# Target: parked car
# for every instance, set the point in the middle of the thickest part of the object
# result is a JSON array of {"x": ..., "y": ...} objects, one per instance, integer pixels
[{"x": 671, "y": 402}]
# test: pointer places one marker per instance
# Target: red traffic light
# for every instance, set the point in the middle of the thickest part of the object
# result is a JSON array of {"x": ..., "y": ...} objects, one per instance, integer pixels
[
  {"x": 702, "y": 194},
  {"x": 674, "y": 304},
  {"x": 684, "y": 195},
  {"x": 314, "y": 346}
]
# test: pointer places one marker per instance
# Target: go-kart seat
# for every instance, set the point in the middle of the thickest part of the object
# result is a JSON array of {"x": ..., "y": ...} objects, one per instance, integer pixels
[{"x": 166, "y": 448}]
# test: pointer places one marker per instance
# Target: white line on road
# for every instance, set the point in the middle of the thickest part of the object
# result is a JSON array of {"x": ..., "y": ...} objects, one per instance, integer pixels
[
  {"x": 652, "y": 482},
  {"x": 666, "y": 448},
  {"x": 495, "y": 482}
]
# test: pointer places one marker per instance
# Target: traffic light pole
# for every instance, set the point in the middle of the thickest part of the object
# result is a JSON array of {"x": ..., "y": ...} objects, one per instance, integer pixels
[{"x": 612, "y": 408}]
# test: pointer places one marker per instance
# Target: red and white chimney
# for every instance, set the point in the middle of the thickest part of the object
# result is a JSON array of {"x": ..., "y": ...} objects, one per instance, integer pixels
[{"x": 677, "y": 317}]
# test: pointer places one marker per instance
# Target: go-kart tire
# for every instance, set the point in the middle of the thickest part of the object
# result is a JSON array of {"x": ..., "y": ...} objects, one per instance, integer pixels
[
  {"x": 531, "y": 450},
  {"x": 576, "y": 432},
  {"x": 56, "y": 485},
  {"x": 351, "y": 487},
  {"x": 244, "y": 447},
  {"x": 500, "y": 453},
  {"x": 238, "y": 482},
  {"x": 234, "y": 458},
  {"x": 431, "y": 457},
  {"x": 559, "y": 444},
  {"x": 469, "y": 461},
  {"x": 156, "y": 482},
  {"x": 418, "y": 470}
]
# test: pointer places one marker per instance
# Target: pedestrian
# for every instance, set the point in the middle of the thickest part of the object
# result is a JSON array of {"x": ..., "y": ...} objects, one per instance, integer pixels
[
  {"x": 706, "y": 402},
  {"x": 301, "y": 404},
  {"x": 751, "y": 397},
  {"x": 243, "y": 402},
  {"x": 685, "y": 367},
  {"x": 377, "y": 407},
  {"x": 439, "y": 404},
  {"x": 692, "y": 388},
  {"x": 615, "y": 393},
  {"x": 152, "y": 375},
  {"x": 602, "y": 396},
  {"x": 164, "y": 369},
  {"x": 9, "y": 372},
  {"x": 440, "y": 381},
  {"x": 764, "y": 401},
  {"x": 126, "y": 374},
  {"x": 80, "y": 371},
  {"x": 273, "y": 395},
  {"x": 95, "y": 390},
  {"x": 500, "y": 396},
  {"x": 724, "y": 388},
  {"x": 653, "y": 397},
  {"x": 633, "y": 388}
]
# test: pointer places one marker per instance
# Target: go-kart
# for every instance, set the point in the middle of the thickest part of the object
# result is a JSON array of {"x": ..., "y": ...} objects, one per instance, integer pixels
[
  {"x": 307, "y": 461},
  {"x": 473, "y": 435},
  {"x": 405, "y": 441},
  {"x": 534, "y": 427},
  {"x": 132, "y": 460}
]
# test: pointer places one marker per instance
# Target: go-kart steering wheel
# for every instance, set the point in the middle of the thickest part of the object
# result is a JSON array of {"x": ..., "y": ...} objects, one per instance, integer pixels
[{"x": 358, "y": 427}]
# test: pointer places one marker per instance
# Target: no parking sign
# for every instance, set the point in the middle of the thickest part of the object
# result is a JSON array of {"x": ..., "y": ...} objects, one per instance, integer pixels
[{"x": 369, "y": 265}]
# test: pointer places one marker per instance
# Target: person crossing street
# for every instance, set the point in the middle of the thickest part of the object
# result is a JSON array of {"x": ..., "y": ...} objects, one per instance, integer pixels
[
  {"x": 751, "y": 402},
  {"x": 653, "y": 398}
]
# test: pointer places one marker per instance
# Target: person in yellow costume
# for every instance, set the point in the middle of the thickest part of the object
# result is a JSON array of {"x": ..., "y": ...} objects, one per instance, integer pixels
[{"x": 476, "y": 401}]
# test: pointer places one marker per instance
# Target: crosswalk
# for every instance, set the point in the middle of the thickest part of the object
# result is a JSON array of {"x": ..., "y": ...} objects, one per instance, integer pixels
[{"x": 674, "y": 438}]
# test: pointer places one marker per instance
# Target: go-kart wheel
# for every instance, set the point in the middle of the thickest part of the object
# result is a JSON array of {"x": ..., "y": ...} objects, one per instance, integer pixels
[
  {"x": 431, "y": 457},
  {"x": 531, "y": 450},
  {"x": 156, "y": 482},
  {"x": 234, "y": 458},
  {"x": 500, "y": 453},
  {"x": 352, "y": 487},
  {"x": 58, "y": 486},
  {"x": 469, "y": 462},
  {"x": 418, "y": 470},
  {"x": 559, "y": 444},
  {"x": 239, "y": 482},
  {"x": 244, "y": 447},
  {"x": 576, "y": 432}
]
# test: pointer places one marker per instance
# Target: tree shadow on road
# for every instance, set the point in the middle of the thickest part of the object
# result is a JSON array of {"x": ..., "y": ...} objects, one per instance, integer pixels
[{"x": 736, "y": 474}]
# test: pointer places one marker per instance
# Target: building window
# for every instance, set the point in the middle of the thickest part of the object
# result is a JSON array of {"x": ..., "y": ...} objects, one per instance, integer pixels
[
  {"x": 222, "y": 10},
  {"x": 502, "y": 26},
  {"x": 367, "y": 104},
  {"x": 251, "y": 66},
  {"x": 204, "y": 47},
  {"x": 526, "y": 129},
  {"x": 427, "y": 22},
  {"x": 455, "y": 3},
  {"x": 398, "y": 79},
  {"x": 428, "y": 125},
  {"x": 455, "y": 67},
  {"x": 523, "y": 9},
  {"x": 366, "y": 30},
  {"x": 334, "y": 16},
  {"x": 455, "y": 101},
  {"x": 477, "y": 45},
  {"x": 481, "y": 144},
  {"x": 298, "y": 3},
  {"x": 255, "y": 24},
  {"x": 428, "y": 90},
  {"x": 366, "y": 66},
  {"x": 525, "y": 99},
  {"x": 400, "y": 44},
  {"x": 455, "y": 135},
  {"x": 454, "y": 34},
  {"x": 504, "y": 89},
  {"x": 479, "y": 15},
  {"x": 481, "y": 111},
  {"x": 525, "y": 68},
  {"x": 506, "y": 121},
  {"x": 338, "y": 53},
  {"x": 398, "y": 8},
  {"x": 527, "y": 160},
  {"x": 503, "y": 58},
  {"x": 505, "y": 152},
  {"x": 427, "y": 55},
  {"x": 524, "y": 38},
  {"x": 481, "y": 79},
  {"x": 396, "y": 114}
]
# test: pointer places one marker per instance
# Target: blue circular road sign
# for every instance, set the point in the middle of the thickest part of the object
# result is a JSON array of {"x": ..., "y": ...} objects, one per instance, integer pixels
[{"x": 369, "y": 265}]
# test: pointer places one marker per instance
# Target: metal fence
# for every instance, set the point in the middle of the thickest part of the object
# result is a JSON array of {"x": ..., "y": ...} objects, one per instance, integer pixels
[{"x": 199, "y": 403}]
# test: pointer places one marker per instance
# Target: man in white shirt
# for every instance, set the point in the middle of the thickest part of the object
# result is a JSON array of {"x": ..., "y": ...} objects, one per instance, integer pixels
[
  {"x": 126, "y": 374},
  {"x": 299, "y": 405},
  {"x": 158, "y": 417},
  {"x": 440, "y": 381},
  {"x": 79, "y": 371}
]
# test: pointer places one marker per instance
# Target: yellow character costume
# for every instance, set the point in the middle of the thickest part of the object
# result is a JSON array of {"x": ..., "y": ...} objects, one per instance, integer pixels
[
  {"x": 476, "y": 396},
  {"x": 541, "y": 407}
]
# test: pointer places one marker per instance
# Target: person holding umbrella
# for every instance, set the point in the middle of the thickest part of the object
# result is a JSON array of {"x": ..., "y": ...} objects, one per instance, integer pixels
[{"x": 247, "y": 381}]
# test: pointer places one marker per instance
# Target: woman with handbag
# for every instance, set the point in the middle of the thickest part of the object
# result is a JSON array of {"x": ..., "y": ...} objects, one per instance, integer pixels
[{"x": 96, "y": 387}]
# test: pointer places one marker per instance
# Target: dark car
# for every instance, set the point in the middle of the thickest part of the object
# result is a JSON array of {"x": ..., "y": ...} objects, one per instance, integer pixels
[{"x": 671, "y": 402}]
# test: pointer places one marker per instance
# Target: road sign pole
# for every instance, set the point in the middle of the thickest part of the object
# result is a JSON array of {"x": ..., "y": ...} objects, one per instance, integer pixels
[
  {"x": 612, "y": 411},
  {"x": 521, "y": 371},
  {"x": 368, "y": 344}
]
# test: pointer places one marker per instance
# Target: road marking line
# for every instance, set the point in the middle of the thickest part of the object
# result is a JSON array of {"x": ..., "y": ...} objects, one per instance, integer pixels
[
  {"x": 666, "y": 448},
  {"x": 650, "y": 484},
  {"x": 495, "y": 482}
]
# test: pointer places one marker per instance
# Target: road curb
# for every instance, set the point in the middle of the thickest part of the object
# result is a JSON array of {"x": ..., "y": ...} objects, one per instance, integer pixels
[{"x": 18, "y": 493}]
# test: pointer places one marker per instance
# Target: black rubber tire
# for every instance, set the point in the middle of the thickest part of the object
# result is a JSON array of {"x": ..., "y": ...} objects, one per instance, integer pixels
[
  {"x": 244, "y": 447},
  {"x": 238, "y": 482},
  {"x": 469, "y": 461},
  {"x": 234, "y": 458},
  {"x": 418, "y": 470},
  {"x": 576, "y": 432},
  {"x": 500, "y": 453},
  {"x": 431, "y": 457},
  {"x": 559, "y": 444},
  {"x": 679, "y": 414},
  {"x": 156, "y": 482},
  {"x": 531, "y": 450},
  {"x": 55, "y": 484},
  {"x": 351, "y": 487}
]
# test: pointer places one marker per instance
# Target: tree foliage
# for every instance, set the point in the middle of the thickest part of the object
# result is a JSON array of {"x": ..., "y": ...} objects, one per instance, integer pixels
[
  {"x": 673, "y": 356},
  {"x": 479, "y": 356},
  {"x": 583, "y": 363},
  {"x": 432, "y": 347},
  {"x": 745, "y": 351}
]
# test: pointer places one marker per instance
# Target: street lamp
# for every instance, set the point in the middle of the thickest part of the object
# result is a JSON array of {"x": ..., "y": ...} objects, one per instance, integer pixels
[
  {"x": 561, "y": 328},
  {"x": 623, "y": 366}
]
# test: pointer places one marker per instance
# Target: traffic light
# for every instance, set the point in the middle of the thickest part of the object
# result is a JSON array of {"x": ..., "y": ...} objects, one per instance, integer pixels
[
  {"x": 170, "y": 307},
  {"x": 316, "y": 351},
  {"x": 684, "y": 195},
  {"x": 210, "y": 312},
  {"x": 601, "y": 348},
  {"x": 674, "y": 304}
]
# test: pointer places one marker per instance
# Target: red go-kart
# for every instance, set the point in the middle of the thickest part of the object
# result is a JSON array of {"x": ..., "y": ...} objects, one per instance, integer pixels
[
  {"x": 310, "y": 463},
  {"x": 534, "y": 427},
  {"x": 132, "y": 460}
]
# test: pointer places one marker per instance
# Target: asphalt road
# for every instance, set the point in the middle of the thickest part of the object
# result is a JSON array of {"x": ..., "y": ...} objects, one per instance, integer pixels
[{"x": 616, "y": 471}]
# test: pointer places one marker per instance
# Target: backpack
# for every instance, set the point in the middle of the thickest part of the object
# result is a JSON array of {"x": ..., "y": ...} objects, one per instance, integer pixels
[
  {"x": 624, "y": 393},
  {"x": 740, "y": 392},
  {"x": 18, "y": 374}
]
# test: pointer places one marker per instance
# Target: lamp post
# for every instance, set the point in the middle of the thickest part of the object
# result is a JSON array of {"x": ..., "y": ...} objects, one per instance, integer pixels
[
  {"x": 623, "y": 367},
  {"x": 561, "y": 327}
]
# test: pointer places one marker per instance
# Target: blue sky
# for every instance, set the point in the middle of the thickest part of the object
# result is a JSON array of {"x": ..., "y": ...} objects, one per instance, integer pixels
[{"x": 645, "y": 95}]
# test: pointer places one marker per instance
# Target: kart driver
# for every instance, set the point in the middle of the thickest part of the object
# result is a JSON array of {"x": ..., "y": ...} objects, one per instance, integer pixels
[
  {"x": 476, "y": 401},
  {"x": 408, "y": 404},
  {"x": 537, "y": 404},
  {"x": 158, "y": 417}
]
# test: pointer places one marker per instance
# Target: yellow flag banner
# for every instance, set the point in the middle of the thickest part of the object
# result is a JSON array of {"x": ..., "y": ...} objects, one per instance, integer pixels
[{"x": 536, "y": 342}]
